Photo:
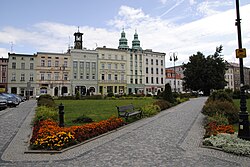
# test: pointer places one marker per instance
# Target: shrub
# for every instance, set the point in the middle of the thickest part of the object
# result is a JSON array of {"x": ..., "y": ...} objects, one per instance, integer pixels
[
  {"x": 150, "y": 110},
  {"x": 163, "y": 104},
  {"x": 167, "y": 93},
  {"x": 78, "y": 96},
  {"x": 219, "y": 119},
  {"x": 46, "y": 100},
  {"x": 83, "y": 119},
  {"x": 220, "y": 95},
  {"x": 222, "y": 107},
  {"x": 229, "y": 143},
  {"x": 44, "y": 113}
]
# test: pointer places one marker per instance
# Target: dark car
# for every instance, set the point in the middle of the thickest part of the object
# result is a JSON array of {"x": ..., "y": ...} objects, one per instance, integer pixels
[
  {"x": 3, "y": 103},
  {"x": 11, "y": 100}
]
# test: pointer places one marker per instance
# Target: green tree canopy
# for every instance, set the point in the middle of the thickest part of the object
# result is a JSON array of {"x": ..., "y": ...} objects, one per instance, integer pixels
[{"x": 205, "y": 73}]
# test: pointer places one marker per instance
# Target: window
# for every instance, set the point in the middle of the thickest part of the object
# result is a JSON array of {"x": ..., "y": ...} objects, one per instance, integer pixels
[
  {"x": 81, "y": 75},
  {"x": 103, "y": 56},
  {"x": 4, "y": 68},
  {"x": 31, "y": 59},
  {"x": 122, "y": 57},
  {"x": 87, "y": 66},
  {"x": 122, "y": 77},
  {"x": 13, "y": 58},
  {"x": 13, "y": 78},
  {"x": 49, "y": 76},
  {"x": 116, "y": 78},
  {"x": 93, "y": 76},
  {"x": 131, "y": 80},
  {"x": 49, "y": 63},
  {"x": 157, "y": 80},
  {"x": 109, "y": 77},
  {"x": 103, "y": 77},
  {"x": 109, "y": 56},
  {"x": 116, "y": 66},
  {"x": 31, "y": 76},
  {"x": 136, "y": 81},
  {"x": 156, "y": 62},
  {"x": 42, "y": 76},
  {"x": 56, "y": 63},
  {"x": 103, "y": 66},
  {"x": 161, "y": 80},
  {"x": 122, "y": 66},
  {"x": 74, "y": 64},
  {"x": 152, "y": 70},
  {"x": 65, "y": 63},
  {"x": 146, "y": 79},
  {"x": 152, "y": 80},
  {"x": 42, "y": 63},
  {"x": 75, "y": 75},
  {"x": 109, "y": 66},
  {"x": 87, "y": 76},
  {"x": 146, "y": 70},
  {"x": 65, "y": 76},
  {"x": 31, "y": 66},
  {"x": 146, "y": 61},
  {"x": 156, "y": 70},
  {"x": 152, "y": 62},
  {"x": 13, "y": 65},
  {"x": 22, "y": 77},
  {"x": 93, "y": 65},
  {"x": 56, "y": 76},
  {"x": 161, "y": 71},
  {"x": 161, "y": 62},
  {"x": 22, "y": 66}
]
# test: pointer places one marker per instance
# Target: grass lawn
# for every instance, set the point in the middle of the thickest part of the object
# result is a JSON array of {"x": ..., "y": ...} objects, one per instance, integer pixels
[
  {"x": 97, "y": 110},
  {"x": 237, "y": 102}
]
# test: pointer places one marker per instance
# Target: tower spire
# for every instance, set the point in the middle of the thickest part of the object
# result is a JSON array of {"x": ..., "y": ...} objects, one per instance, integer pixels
[
  {"x": 123, "y": 42},
  {"x": 136, "y": 42}
]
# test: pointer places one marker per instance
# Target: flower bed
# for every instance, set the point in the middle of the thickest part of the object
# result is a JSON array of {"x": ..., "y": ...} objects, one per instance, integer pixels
[
  {"x": 47, "y": 135},
  {"x": 213, "y": 128}
]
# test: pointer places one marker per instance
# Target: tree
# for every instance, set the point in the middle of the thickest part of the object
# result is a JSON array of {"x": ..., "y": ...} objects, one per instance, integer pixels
[
  {"x": 167, "y": 93},
  {"x": 205, "y": 73}
]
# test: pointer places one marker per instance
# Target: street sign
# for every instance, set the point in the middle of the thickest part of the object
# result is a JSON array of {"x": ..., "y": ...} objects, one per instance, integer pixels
[{"x": 241, "y": 53}]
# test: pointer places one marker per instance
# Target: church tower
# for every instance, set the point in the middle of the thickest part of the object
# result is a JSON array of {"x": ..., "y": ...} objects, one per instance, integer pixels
[
  {"x": 123, "y": 42},
  {"x": 78, "y": 40},
  {"x": 136, "y": 42}
]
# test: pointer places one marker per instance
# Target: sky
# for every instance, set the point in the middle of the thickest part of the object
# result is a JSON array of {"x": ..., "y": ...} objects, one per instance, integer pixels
[{"x": 181, "y": 26}]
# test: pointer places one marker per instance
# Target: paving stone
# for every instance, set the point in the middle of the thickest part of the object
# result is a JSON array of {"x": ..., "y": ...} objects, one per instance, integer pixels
[{"x": 171, "y": 138}]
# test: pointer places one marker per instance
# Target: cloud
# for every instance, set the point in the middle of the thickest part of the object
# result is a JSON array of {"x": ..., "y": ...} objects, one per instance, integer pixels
[
  {"x": 154, "y": 33},
  {"x": 209, "y": 8}
]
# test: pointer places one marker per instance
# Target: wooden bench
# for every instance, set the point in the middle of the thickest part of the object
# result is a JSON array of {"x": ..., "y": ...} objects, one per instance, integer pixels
[{"x": 128, "y": 111}]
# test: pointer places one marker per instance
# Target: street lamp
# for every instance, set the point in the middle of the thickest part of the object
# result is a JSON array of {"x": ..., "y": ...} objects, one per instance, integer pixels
[
  {"x": 174, "y": 58},
  {"x": 243, "y": 114}
]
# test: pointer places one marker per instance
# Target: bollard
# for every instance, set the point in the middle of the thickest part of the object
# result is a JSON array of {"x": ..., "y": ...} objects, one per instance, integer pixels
[{"x": 61, "y": 115}]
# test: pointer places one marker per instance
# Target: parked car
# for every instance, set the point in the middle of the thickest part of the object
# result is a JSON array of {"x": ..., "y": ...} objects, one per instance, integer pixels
[
  {"x": 11, "y": 100},
  {"x": 22, "y": 98},
  {"x": 3, "y": 103}
]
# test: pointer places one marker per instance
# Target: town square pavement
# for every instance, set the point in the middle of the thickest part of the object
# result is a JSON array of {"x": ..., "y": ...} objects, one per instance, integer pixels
[{"x": 170, "y": 139}]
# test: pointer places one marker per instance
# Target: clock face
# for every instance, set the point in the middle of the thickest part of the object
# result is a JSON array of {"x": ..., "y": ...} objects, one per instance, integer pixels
[{"x": 78, "y": 44}]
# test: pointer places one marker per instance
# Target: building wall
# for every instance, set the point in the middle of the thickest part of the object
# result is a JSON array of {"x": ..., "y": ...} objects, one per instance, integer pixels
[
  {"x": 154, "y": 71},
  {"x": 53, "y": 73},
  {"x": 84, "y": 71},
  {"x": 112, "y": 65},
  {"x": 21, "y": 74},
  {"x": 229, "y": 77},
  {"x": 135, "y": 72},
  {"x": 3, "y": 74}
]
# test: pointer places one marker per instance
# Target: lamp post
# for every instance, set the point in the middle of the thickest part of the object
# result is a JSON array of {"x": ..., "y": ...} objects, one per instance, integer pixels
[
  {"x": 243, "y": 114},
  {"x": 174, "y": 58}
]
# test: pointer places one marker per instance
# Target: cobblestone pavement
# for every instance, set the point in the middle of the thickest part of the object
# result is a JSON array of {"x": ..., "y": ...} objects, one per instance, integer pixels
[{"x": 171, "y": 138}]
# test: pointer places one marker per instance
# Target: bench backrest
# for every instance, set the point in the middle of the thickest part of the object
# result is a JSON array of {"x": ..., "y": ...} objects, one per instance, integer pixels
[{"x": 127, "y": 108}]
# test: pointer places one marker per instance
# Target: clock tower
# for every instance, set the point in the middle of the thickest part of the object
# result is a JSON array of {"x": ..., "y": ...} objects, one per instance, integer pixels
[{"x": 78, "y": 40}]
